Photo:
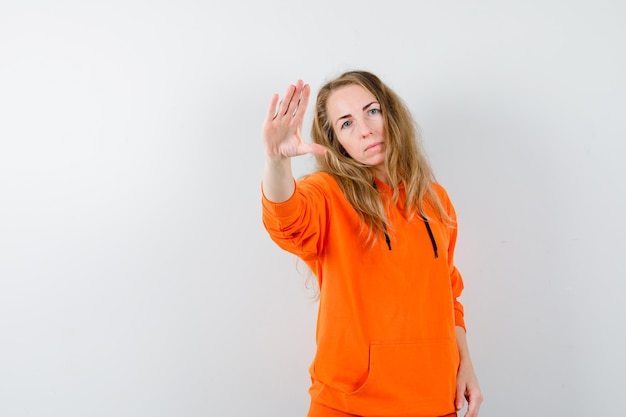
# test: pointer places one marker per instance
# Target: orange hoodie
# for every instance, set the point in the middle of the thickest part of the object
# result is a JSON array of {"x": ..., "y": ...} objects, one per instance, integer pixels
[{"x": 385, "y": 335}]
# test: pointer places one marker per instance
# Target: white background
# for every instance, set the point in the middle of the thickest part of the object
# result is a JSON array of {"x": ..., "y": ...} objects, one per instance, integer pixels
[{"x": 136, "y": 278}]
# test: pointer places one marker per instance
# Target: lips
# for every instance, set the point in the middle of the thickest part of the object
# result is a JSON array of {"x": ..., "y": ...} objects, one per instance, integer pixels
[{"x": 373, "y": 146}]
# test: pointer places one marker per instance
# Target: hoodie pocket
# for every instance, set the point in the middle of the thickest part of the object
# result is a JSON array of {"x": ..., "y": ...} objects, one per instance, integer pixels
[{"x": 408, "y": 379}]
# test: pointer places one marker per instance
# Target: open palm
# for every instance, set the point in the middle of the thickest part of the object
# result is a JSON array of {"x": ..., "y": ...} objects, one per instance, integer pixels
[{"x": 282, "y": 129}]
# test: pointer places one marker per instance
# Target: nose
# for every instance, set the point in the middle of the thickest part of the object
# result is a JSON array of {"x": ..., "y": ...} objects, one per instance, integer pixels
[{"x": 364, "y": 128}]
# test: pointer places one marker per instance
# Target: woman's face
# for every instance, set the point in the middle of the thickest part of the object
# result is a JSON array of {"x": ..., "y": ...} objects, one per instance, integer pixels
[{"x": 357, "y": 122}]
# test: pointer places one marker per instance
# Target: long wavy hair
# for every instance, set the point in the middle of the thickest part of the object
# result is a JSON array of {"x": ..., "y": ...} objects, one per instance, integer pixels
[{"x": 405, "y": 162}]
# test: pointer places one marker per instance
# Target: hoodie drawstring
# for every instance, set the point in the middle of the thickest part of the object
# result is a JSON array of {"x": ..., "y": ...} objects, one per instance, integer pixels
[
  {"x": 433, "y": 242},
  {"x": 432, "y": 237},
  {"x": 384, "y": 225}
]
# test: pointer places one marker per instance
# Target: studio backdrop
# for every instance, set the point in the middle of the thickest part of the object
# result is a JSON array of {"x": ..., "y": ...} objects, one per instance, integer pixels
[{"x": 136, "y": 278}]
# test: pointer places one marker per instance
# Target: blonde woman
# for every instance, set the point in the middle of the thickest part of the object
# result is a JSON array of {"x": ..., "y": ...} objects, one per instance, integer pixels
[{"x": 379, "y": 233}]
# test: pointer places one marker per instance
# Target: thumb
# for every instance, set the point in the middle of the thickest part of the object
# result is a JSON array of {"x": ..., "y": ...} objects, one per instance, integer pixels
[
  {"x": 460, "y": 399},
  {"x": 313, "y": 148}
]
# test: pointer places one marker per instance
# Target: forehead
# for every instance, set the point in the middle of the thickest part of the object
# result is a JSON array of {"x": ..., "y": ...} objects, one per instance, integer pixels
[{"x": 348, "y": 99}]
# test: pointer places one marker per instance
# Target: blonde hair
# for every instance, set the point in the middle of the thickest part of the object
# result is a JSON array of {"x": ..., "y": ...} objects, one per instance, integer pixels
[{"x": 405, "y": 162}]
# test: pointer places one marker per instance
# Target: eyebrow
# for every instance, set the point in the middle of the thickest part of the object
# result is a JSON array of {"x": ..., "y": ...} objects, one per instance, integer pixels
[{"x": 364, "y": 108}]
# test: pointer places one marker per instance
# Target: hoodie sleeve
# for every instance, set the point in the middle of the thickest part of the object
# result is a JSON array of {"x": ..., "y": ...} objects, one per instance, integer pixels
[
  {"x": 456, "y": 280},
  {"x": 298, "y": 225}
]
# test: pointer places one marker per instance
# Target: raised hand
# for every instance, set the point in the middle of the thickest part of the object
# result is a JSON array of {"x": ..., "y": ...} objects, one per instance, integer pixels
[{"x": 282, "y": 129}]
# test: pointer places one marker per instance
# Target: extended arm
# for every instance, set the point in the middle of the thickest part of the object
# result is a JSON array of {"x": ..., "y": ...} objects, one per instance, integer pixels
[{"x": 282, "y": 140}]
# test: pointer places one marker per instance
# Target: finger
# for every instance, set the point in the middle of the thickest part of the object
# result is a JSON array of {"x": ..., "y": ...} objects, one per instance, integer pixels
[
  {"x": 472, "y": 411},
  {"x": 271, "y": 111},
  {"x": 296, "y": 98},
  {"x": 283, "y": 108},
  {"x": 312, "y": 148},
  {"x": 460, "y": 399},
  {"x": 473, "y": 405},
  {"x": 303, "y": 102}
]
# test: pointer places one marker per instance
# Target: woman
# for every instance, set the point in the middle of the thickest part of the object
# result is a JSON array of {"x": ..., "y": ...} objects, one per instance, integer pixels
[{"x": 379, "y": 234}]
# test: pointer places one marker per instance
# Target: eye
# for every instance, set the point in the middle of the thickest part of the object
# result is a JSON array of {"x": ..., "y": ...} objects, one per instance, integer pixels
[
  {"x": 374, "y": 111},
  {"x": 346, "y": 124}
]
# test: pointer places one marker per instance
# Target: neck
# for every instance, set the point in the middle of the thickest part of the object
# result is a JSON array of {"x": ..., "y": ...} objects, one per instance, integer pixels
[{"x": 380, "y": 172}]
